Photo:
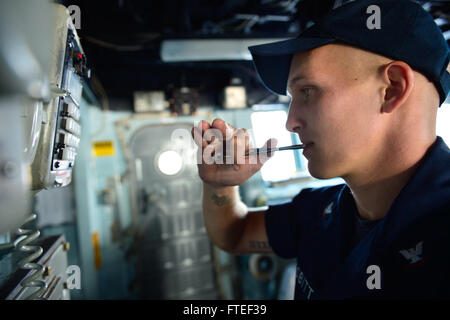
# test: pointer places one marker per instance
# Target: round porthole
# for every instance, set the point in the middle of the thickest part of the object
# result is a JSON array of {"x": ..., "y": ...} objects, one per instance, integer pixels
[
  {"x": 170, "y": 162},
  {"x": 262, "y": 267}
]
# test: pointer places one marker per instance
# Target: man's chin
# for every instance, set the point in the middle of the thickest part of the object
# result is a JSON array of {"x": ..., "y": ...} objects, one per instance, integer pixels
[{"x": 321, "y": 173}]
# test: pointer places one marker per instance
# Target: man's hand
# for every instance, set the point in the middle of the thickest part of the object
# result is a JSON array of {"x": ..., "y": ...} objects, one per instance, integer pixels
[{"x": 222, "y": 147}]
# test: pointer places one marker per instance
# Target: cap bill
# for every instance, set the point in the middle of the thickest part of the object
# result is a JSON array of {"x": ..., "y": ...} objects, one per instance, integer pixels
[
  {"x": 445, "y": 86},
  {"x": 273, "y": 60}
]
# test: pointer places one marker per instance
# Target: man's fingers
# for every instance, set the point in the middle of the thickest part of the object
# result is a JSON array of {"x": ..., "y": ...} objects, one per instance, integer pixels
[
  {"x": 203, "y": 125},
  {"x": 198, "y": 137},
  {"x": 227, "y": 129},
  {"x": 223, "y": 142},
  {"x": 242, "y": 141}
]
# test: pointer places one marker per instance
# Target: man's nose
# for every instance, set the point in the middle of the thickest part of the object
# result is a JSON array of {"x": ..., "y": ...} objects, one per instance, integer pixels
[{"x": 294, "y": 121}]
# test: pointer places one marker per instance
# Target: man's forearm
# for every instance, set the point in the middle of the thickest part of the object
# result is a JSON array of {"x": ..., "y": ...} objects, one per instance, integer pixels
[{"x": 224, "y": 215}]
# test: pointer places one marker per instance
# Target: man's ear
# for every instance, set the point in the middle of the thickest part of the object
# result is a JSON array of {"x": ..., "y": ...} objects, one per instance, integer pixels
[{"x": 399, "y": 79}]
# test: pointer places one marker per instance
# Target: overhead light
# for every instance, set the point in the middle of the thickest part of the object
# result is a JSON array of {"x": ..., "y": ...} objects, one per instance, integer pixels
[
  {"x": 170, "y": 162},
  {"x": 210, "y": 49}
]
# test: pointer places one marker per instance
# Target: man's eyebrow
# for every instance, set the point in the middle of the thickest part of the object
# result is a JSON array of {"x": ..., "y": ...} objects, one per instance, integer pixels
[
  {"x": 295, "y": 79},
  {"x": 292, "y": 81}
]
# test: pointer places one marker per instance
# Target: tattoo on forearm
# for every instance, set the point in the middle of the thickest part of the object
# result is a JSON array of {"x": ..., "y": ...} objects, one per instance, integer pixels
[
  {"x": 220, "y": 200},
  {"x": 259, "y": 245}
]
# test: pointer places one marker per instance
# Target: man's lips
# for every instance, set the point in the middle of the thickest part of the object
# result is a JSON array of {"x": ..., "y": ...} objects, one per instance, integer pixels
[
  {"x": 305, "y": 141},
  {"x": 308, "y": 146}
]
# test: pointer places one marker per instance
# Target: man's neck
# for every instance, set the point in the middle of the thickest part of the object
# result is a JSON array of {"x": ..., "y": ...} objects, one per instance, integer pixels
[
  {"x": 374, "y": 200},
  {"x": 375, "y": 193}
]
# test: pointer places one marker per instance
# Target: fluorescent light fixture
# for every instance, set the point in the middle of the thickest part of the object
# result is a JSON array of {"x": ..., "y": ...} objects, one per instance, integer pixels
[{"x": 209, "y": 49}]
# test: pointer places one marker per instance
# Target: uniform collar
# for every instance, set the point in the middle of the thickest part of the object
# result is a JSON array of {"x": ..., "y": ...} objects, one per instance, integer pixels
[{"x": 425, "y": 194}]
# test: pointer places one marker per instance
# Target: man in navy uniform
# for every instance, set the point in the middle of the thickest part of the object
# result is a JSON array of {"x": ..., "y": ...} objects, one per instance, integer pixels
[{"x": 364, "y": 99}]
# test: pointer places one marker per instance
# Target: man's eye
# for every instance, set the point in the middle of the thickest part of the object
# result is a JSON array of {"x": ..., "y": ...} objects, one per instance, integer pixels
[{"x": 307, "y": 91}]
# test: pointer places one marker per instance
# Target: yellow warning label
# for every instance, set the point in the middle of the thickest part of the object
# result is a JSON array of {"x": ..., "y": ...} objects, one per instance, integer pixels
[
  {"x": 97, "y": 254},
  {"x": 103, "y": 148}
]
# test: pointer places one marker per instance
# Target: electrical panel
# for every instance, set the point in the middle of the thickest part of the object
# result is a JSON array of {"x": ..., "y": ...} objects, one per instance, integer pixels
[
  {"x": 60, "y": 133},
  {"x": 24, "y": 68}
]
